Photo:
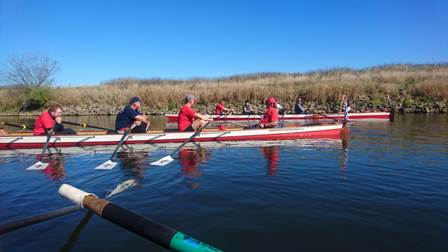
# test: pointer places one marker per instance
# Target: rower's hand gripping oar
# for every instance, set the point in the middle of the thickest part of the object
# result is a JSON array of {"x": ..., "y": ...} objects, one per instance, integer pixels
[
  {"x": 109, "y": 164},
  {"x": 39, "y": 165},
  {"x": 168, "y": 159}
]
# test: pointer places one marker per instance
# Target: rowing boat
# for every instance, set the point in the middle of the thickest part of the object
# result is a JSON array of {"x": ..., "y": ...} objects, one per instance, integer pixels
[
  {"x": 27, "y": 141},
  {"x": 352, "y": 116}
]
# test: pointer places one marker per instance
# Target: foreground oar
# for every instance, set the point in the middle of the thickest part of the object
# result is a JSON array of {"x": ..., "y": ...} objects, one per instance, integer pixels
[
  {"x": 21, "y": 126},
  {"x": 14, "y": 225},
  {"x": 85, "y": 125},
  {"x": 109, "y": 164},
  {"x": 161, "y": 234},
  {"x": 39, "y": 165},
  {"x": 168, "y": 159}
]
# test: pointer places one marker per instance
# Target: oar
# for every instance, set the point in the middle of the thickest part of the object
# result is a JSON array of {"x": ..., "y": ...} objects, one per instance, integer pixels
[
  {"x": 109, "y": 164},
  {"x": 328, "y": 117},
  {"x": 14, "y": 225},
  {"x": 39, "y": 165},
  {"x": 168, "y": 159},
  {"x": 85, "y": 125},
  {"x": 161, "y": 234},
  {"x": 21, "y": 126}
]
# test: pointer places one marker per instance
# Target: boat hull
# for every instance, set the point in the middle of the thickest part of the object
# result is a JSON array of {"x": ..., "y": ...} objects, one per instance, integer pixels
[
  {"x": 318, "y": 131},
  {"x": 352, "y": 116}
]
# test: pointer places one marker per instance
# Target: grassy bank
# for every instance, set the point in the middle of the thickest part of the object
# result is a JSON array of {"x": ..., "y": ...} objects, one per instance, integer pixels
[{"x": 412, "y": 88}]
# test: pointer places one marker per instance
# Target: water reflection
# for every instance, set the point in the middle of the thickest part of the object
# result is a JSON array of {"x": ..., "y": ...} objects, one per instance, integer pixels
[
  {"x": 343, "y": 158},
  {"x": 270, "y": 153},
  {"x": 190, "y": 158},
  {"x": 56, "y": 168},
  {"x": 133, "y": 163}
]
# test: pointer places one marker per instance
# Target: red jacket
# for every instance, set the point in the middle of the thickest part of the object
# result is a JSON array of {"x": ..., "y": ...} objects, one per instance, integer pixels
[
  {"x": 185, "y": 118},
  {"x": 271, "y": 115},
  {"x": 42, "y": 123},
  {"x": 219, "y": 109}
]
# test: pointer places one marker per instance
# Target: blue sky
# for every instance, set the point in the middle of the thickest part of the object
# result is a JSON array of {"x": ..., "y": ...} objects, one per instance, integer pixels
[{"x": 96, "y": 41}]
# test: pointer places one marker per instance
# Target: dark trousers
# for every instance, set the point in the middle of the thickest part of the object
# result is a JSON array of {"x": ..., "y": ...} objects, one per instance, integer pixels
[{"x": 140, "y": 129}]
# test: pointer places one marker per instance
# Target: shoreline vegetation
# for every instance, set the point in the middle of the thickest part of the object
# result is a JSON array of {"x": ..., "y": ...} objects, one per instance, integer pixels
[{"x": 412, "y": 88}]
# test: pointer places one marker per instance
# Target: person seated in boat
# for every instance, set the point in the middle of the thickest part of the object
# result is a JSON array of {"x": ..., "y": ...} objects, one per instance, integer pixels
[
  {"x": 247, "y": 108},
  {"x": 188, "y": 119},
  {"x": 298, "y": 109},
  {"x": 131, "y": 117},
  {"x": 51, "y": 121},
  {"x": 280, "y": 108},
  {"x": 346, "y": 108},
  {"x": 220, "y": 108},
  {"x": 270, "y": 117}
]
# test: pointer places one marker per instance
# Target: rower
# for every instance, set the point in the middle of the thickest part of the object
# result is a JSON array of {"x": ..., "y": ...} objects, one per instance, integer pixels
[
  {"x": 130, "y": 116},
  {"x": 346, "y": 108},
  {"x": 298, "y": 109},
  {"x": 280, "y": 108},
  {"x": 270, "y": 117},
  {"x": 247, "y": 108},
  {"x": 188, "y": 119},
  {"x": 220, "y": 108},
  {"x": 51, "y": 120}
]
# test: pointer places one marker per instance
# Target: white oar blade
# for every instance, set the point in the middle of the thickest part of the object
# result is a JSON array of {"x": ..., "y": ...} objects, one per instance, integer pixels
[
  {"x": 38, "y": 166},
  {"x": 163, "y": 161},
  {"x": 121, "y": 187},
  {"x": 109, "y": 164}
]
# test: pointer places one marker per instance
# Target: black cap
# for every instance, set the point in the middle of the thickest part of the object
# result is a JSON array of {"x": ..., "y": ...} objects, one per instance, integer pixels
[{"x": 135, "y": 99}]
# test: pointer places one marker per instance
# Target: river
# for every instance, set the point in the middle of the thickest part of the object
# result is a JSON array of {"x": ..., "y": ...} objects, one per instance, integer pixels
[{"x": 383, "y": 188}]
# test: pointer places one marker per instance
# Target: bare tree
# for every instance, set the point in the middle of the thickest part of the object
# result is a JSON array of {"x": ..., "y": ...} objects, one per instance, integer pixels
[{"x": 30, "y": 71}]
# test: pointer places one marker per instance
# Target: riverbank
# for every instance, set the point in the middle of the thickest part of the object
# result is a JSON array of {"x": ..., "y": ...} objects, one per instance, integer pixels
[{"x": 411, "y": 88}]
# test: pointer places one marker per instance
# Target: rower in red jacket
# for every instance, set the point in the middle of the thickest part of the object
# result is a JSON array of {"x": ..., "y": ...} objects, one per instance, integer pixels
[
  {"x": 189, "y": 119},
  {"x": 220, "y": 108},
  {"x": 270, "y": 117},
  {"x": 51, "y": 120}
]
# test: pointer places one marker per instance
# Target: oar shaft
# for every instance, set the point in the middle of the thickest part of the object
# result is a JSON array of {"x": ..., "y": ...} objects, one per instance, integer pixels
[
  {"x": 22, "y": 126},
  {"x": 49, "y": 133},
  {"x": 11, "y": 226},
  {"x": 123, "y": 138},
  {"x": 85, "y": 125},
  {"x": 189, "y": 139},
  {"x": 150, "y": 229}
]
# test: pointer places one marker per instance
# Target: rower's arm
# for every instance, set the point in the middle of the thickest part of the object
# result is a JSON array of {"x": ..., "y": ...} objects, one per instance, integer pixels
[
  {"x": 142, "y": 118},
  {"x": 269, "y": 125},
  {"x": 203, "y": 117}
]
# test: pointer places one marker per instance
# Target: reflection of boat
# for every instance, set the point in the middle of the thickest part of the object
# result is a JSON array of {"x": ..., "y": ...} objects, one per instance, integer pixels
[
  {"x": 24, "y": 141},
  {"x": 146, "y": 148},
  {"x": 352, "y": 116}
]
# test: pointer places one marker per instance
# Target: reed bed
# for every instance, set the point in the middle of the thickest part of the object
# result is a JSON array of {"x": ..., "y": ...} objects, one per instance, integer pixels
[{"x": 407, "y": 85}]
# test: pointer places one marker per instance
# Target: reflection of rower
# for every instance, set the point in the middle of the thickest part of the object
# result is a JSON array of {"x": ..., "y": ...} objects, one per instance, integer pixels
[
  {"x": 55, "y": 169},
  {"x": 133, "y": 163},
  {"x": 190, "y": 158},
  {"x": 344, "y": 156},
  {"x": 271, "y": 155}
]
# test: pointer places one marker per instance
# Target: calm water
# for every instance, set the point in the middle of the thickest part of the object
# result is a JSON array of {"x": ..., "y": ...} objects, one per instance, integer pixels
[{"x": 385, "y": 188}]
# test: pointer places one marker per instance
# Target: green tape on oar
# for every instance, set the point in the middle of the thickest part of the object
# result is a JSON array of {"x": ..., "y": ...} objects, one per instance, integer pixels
[{"x": 184, "y": 243}]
